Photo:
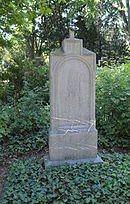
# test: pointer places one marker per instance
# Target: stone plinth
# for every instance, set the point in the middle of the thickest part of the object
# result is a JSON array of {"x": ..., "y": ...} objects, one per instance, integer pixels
[
  {"x": 73, "y": 135},
  {"x": 73, "y": 144}
]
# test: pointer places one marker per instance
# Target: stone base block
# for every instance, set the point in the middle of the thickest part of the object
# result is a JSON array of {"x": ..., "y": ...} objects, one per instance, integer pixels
[
  {"x": 49, "y": 163},
  {"x": 73, "y": 144}
]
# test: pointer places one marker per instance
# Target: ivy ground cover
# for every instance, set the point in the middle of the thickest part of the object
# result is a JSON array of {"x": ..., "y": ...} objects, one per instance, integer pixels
[{"x": 28, "y": 182}]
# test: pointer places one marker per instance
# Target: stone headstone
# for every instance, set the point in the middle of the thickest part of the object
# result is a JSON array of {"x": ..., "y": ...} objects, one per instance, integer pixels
[
  {"x": 103, "y": 61},
  {"x": 73, "y": 135}
]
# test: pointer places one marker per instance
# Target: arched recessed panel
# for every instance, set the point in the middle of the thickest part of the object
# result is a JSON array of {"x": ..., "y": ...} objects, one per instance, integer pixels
[{"x": 72, "y": 97}]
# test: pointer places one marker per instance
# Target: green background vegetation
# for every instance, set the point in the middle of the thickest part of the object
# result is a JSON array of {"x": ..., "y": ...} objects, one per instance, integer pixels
[{"x": 29, "y": 31}]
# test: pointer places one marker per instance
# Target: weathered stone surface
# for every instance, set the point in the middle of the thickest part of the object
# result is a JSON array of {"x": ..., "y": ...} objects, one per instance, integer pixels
[
  {"x": 72, "y": 46},
  {"x": 73, "y": 144},
  {"x": 72, "y": 93},
  {"x": 50, "y": 163},
  {"x": 72, "y": 97}
]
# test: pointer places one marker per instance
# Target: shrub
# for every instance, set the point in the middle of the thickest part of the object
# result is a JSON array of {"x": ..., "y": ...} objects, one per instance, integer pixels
[
  {"x": 20, "y": 74},
  {"x": 24, "y": 98},
  {"x": 4, "y": 121},
  {"x": 27, "y": 122},
  {"x": 112, "y": 103}
]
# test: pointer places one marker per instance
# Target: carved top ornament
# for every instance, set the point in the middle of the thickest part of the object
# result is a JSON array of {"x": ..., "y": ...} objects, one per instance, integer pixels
[{"x": 71, "y": 33}]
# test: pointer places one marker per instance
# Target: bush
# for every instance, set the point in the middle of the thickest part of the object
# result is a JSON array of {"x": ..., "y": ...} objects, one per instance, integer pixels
[
  {"x": 24, "y": 98},
  {"x": 112, "y": 104},
  {"x": 20, "y": 74},
  {"x": 26, "y": 123},
  {"x": 4, "y": 121}
]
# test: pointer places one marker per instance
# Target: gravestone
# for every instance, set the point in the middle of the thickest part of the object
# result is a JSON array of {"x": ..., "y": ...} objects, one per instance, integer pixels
[
  {"x": 73, "y": 135},
  {"x": 103, "y": 61}
]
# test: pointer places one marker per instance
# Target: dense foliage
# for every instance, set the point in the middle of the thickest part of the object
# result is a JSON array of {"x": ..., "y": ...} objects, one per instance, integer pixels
[
  {"x": 25, "y": 126},
  {"x": 112, "y": 105},
  {"x": 24, "y": 112},
  {"x": 41, "y": 25},
  {"x": 29, "y": 31},
  {"x": 27, "y": 182}
]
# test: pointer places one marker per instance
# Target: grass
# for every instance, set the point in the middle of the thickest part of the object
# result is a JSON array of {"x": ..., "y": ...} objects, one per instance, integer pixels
[{"x": 28, "y": 182}]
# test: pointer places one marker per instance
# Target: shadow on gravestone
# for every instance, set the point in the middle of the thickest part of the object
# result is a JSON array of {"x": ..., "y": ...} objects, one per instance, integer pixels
[{"x": 73, "y": 135}]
